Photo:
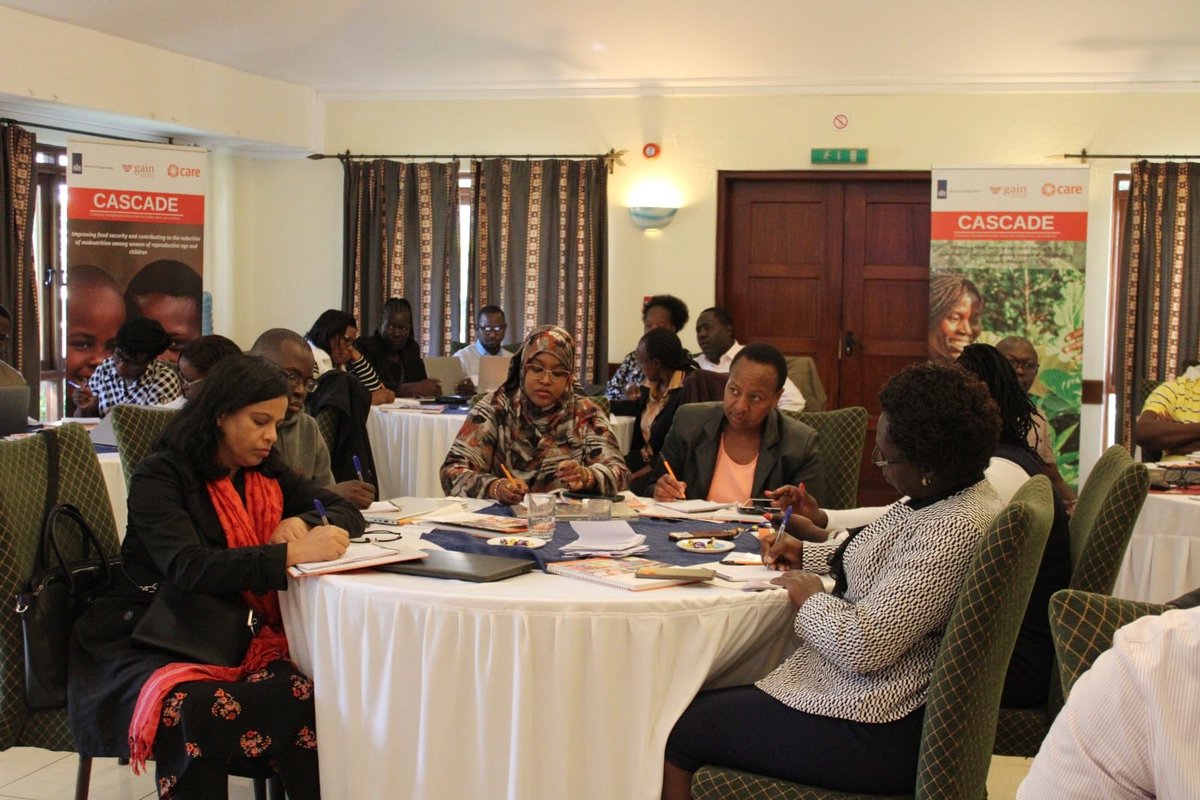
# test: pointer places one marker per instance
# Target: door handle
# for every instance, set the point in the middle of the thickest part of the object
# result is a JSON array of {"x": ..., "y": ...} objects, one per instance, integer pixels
[{"x": 848, "y": 343}]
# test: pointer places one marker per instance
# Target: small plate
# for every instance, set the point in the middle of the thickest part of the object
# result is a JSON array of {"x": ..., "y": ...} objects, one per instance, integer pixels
[
  {"x": 705, "y": 545},
  {"x": 532, "y": 542}
]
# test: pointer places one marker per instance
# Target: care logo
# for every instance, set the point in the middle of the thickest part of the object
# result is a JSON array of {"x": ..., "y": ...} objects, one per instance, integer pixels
[
  {"x": 1050, "y": 188},
  {"x": 146, "y": 170},
  {"x": 176, "y": 171}
]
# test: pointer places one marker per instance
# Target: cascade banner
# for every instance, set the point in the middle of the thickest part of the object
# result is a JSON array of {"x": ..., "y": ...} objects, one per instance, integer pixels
[
  {"x": 1007, "y": 256},
  {"x": 135, "y": 245}
]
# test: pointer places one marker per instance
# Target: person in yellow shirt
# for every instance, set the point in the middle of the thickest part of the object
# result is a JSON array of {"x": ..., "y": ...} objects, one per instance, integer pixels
[{"x": 1170, "y": 418}]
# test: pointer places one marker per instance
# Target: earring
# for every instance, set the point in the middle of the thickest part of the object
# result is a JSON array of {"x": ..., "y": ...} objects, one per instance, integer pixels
[{"x": 925, "y": 480}]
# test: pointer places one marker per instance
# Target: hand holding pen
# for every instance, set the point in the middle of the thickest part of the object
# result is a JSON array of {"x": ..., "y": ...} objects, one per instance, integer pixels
[
  {"x": 510, "y": 490},
  {"x": 669, "y": 487},
  {"x": 782, "y": 551}
]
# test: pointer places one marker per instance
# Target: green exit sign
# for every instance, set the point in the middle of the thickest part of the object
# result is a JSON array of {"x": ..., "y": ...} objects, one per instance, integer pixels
[{"x": 839, "y": 155}]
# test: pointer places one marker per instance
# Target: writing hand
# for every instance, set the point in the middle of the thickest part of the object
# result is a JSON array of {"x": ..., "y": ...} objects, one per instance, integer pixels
[
  {"x": 668, "y": 489},
  {"x": 509, "y": 492},
  {"x": 292, "y": 529},
  {"x": 360, "y": 493},
  {"x": 323, "y": 543}
]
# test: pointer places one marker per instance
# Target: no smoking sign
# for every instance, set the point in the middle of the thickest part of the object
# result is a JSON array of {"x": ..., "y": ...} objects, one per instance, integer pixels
[{"x": 840, "y": 121}]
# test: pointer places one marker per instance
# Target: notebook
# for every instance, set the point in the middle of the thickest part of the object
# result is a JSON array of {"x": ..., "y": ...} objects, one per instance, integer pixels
[
  {"x": 618, "y": 573},
  {"x": 14, "y": 409},
  {"x": 446, "y": 369},
  {"x": 476, "y": 567},
  {"x": 493, "y": 371},
  {"x": 357, "y": 556}
]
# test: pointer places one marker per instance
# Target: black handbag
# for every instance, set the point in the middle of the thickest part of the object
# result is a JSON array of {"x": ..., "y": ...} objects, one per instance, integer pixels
[
  {"x": 198, "y": 627},
  {"x": 58, "y": 591}
]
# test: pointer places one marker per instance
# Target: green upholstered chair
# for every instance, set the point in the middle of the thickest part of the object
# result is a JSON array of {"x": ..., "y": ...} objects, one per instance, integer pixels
[
  {"x": 1083, "y": 624},
  {"x": 137, "y": 429},
  {"x": 842, "y": 435},
  {"x": 22, "y": 503},
  {"x": 1108, "y": 507},
  {"x": 602, "y": 401},
  {"x": 968, "y": 675}
]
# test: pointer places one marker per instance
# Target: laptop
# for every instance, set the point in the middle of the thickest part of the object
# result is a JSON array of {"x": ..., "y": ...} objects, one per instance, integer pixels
[
  {"x": 447, "y": 369},
  {"x": 493, "y": 371},
  {"x": 14, "y": 409},
  {"x": 475, "y": 567}
]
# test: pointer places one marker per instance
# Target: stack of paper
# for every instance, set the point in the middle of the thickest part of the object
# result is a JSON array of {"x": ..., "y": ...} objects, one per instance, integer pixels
[{"x": 605, "y": 538}]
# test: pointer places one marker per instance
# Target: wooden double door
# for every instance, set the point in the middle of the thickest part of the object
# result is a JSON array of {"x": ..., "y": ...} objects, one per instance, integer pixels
[{"x": 833, "y": 266}]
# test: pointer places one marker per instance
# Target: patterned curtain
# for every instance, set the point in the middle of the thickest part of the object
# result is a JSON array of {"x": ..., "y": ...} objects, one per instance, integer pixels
[
  {"x": 538, "y": 249},
  {"x": 18, "y": 281},
  {"x": 1158, "y": 313},
  {"x": 401, "y": 240}
]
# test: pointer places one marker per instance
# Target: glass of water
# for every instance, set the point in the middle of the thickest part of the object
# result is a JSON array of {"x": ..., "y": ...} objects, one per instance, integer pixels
[{"x": 540, "y": 512}]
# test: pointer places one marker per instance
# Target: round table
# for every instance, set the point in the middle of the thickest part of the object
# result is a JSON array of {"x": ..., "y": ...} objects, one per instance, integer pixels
[
  {"x": 537, "y": 686},
  {"x": 1163, "y": 557}
]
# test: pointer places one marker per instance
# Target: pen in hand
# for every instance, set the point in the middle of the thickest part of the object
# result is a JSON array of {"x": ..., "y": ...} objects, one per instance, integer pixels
[
  {"x": 358, "y": 468},
  {"x": 320, "y": 510},
  {"x": 671, "y": 472},
  {"x": 779, "y": 534}
]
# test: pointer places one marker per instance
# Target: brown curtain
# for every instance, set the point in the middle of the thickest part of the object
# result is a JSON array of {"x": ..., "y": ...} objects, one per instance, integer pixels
[
  {"x": 401, "y": 240},
  {"x": 1158, "y": 283},
  {"x": 18, "y": 281},
  {"x": 538, "y": 249}
]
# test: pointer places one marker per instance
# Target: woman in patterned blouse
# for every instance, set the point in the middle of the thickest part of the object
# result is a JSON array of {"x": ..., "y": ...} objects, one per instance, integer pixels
[
  {"x": 845, "y": 710},
  {"x": 536, "y": 428}
]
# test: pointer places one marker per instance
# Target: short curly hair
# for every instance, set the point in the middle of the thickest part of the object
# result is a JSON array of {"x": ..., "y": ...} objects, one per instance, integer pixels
[
  {"x": 674, "y": 306},
  {"x": 943, "y": 419}
]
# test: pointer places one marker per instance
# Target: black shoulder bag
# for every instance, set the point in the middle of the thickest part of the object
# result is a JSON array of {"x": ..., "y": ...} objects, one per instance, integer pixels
[{"x": 58, "y": 591}]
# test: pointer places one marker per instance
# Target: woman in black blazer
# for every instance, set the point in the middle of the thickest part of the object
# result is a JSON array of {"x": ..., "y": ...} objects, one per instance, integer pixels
[{"x": 212, "y": 511}]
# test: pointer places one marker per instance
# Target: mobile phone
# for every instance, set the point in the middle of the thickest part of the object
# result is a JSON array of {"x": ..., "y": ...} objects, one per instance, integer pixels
[
  {"x": 757, "y": 505},
  {"x": 616, "y": 498}
]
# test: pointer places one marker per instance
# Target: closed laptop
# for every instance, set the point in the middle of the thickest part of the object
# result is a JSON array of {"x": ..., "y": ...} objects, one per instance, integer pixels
[
  {"x": 14, "y": 409},
  {"x": 476, "y": 567}
]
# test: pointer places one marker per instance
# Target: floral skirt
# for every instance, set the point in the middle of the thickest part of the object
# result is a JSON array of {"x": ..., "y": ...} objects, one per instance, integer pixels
[{"x": 206, "y": 724}]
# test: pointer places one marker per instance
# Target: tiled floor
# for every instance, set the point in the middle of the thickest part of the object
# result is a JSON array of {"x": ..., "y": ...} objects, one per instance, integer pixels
[
  {"x": 31, "y": 774},
  {"x": 27, "y": 773}
]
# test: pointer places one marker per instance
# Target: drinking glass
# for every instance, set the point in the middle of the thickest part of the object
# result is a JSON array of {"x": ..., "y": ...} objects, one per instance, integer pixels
[
  {"x": 540, "y": 510},
  {"x": 599, "y": 508}
]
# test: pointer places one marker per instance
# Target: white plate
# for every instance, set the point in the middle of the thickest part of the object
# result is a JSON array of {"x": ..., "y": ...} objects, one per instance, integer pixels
[
  {"x": 532, "y": 542},
  {"x": 704, "y": 545}
]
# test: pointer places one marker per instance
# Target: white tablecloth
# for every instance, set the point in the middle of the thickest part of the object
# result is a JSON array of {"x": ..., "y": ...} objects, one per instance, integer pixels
[
  {"x": 1163, "y": 559},
  {"x": 114, "y": 479},
  {"x": 409, "y": 448},
  {"x": 536, "y": 687}
]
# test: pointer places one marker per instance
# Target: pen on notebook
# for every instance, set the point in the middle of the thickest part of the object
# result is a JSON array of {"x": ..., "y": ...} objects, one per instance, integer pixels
[
  {"x": 671, "y": 472},
  {"x": 508, "y": 475},
  {"x": 320, "y": 510},
  {"x": 357, "y": 467}
]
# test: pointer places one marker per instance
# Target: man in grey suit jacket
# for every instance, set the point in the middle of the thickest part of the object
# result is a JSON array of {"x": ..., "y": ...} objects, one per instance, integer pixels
[{"x": 787, "y": 451}]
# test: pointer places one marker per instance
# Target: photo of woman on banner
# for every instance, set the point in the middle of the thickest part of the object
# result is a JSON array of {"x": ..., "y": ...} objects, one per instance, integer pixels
[
  {"x": 955, "y": 315},
  {"x": 167, "y": 291}
]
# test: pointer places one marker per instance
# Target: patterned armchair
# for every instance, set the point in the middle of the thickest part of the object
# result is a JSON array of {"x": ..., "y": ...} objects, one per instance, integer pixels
[
  {"x": 1083, "y": 624},
  {"x": 842, "y": 435},
  {"x": 137, "y": 429},
  {"x": 22, "y": 503},
  {"x": 964, "y": 691},
  {"x": 1108, "y": 507}
]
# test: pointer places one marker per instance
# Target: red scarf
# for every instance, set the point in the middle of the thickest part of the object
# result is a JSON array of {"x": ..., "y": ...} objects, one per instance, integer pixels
[{"x": 246, "y": 525}]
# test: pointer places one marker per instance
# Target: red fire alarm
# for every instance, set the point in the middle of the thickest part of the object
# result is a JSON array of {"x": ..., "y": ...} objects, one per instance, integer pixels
[{"x": 651, "y": 150}]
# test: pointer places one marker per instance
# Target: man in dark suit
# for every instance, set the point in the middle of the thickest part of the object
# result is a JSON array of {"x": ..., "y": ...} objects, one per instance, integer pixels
[{"x": 734, "y": 450}]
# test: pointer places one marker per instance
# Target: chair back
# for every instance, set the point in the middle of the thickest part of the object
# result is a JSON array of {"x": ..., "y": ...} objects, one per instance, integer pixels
[
  {"x": 1082, "y": 625},
  {"x": 22, "y": 502},
  {"x": 1109, "y": 503},
  {"x": 137, "y": 429},
  {"x": 802, "y": 371},
  {"x": 840, "y": 446},
  {"x": 968, "y": 675}
]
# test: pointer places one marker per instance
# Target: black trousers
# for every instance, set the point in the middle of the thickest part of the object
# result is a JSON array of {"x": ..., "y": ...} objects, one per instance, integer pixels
[{"x": 745, "y": 728}]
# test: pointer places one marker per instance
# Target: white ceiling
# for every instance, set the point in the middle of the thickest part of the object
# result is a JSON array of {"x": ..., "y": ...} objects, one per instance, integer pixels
[{"x": 532, "y": 48}]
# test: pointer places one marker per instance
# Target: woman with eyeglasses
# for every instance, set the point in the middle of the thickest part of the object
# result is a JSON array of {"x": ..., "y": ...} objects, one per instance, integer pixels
[
  {"x": 196, "y": 360},
  {"x": 132, "y": 374},
  {"x": 395, "y": 354},
  {"x": 331, "y": 338},
  {"x": 214, "y": 512},
  {"x": 535, "y": 433},
  {"x": 845, "y": 710}
]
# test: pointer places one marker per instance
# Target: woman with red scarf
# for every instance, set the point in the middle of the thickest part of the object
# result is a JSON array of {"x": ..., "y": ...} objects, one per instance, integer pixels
[{"x": 212, "y": 511}]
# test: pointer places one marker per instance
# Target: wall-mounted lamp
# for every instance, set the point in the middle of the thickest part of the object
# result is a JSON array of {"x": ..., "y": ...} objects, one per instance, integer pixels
[{"x": 652, "y": 217}]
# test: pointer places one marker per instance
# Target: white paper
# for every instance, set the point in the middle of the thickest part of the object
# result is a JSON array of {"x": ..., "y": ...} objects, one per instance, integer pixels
[{"x": 693, "y": 506}]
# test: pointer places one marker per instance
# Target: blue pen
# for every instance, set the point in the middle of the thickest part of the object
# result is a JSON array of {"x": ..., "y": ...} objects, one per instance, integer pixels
[
  {"x": 787, "y": 514},
  {"x": 320, "y": 510},
  {"x": 357, "y": 467}
]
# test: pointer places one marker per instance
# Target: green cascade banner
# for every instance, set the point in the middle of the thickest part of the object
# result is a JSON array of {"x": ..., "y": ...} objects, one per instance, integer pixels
[{"x": 1007, "y": 256}]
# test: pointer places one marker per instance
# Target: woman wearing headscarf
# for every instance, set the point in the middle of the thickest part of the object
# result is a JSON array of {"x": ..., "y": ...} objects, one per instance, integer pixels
[{"x": 537, "y": 428}]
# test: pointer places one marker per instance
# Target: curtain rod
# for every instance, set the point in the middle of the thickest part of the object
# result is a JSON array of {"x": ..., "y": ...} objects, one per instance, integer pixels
[
  {"x": 1085, "y": 155},
  {"x": 612, "y": 157},
  {"x": 8, "y": 121}
]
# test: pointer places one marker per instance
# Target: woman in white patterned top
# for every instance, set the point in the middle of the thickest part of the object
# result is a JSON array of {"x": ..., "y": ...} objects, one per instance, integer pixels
[{"x": 844, "y": 712}]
